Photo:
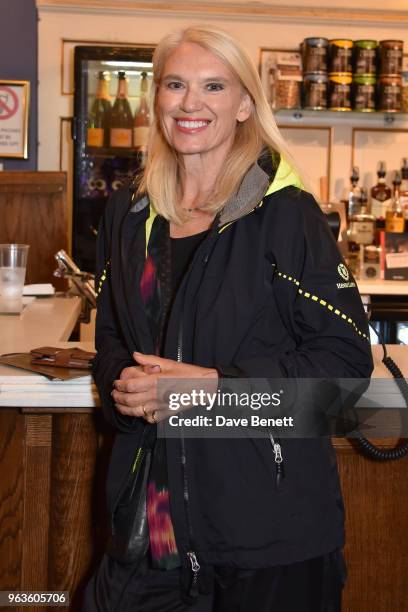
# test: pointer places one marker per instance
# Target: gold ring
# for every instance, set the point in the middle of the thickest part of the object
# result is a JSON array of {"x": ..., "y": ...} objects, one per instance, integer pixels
[
  {"x": 154, "y": 416},
  {"x": 144, "y": 410}
]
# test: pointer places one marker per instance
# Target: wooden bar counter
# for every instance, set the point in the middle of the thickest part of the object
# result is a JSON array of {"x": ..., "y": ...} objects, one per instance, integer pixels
[{"x": 54, "y": 450}]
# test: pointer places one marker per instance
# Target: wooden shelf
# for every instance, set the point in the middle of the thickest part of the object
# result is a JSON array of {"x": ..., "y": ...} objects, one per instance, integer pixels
[{"x": 328, "y": 117}]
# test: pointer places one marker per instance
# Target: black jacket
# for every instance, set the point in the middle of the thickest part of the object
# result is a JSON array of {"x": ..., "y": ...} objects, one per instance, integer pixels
[{"x": 267, "y": 295}]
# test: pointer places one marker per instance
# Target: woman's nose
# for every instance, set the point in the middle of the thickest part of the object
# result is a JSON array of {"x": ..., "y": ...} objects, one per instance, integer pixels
[{"x": 191, "y": 100}]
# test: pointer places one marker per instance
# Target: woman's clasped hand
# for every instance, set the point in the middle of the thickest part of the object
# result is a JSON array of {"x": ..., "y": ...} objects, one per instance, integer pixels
[{"x": 138, "y": 391}]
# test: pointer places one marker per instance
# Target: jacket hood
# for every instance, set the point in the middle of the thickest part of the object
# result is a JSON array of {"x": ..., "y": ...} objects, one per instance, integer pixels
[{"x": 271, "y": 173}]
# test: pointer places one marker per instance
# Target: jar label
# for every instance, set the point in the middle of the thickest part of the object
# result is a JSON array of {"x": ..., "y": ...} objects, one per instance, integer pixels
[
  {"x": 316, "y": 96},
  {"x": 340, "y": 95},
  {"x": 364, "y": 97},
  {"x": 366, "y": 61},
  {"x": 315, "y": 60}
]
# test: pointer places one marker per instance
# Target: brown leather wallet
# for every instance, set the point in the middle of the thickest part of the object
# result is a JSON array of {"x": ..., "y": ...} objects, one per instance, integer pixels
[{"x": 62, "y": 358}]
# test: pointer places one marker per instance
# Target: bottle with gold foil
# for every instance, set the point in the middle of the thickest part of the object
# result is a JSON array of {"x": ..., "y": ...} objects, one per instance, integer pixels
[
  {"x": 142, "y": 119},
  {"x": 99, "y": 115},
  {"x": 394, "y": 219},
  {"x": 121, "y": 124}
]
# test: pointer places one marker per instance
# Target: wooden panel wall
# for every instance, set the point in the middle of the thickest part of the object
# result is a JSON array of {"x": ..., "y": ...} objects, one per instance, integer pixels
[
  {"x": 33, "y": 210},
  {"x": 376, "y": 551}
]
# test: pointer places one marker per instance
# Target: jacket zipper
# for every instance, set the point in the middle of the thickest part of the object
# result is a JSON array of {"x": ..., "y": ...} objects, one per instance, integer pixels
[
  {"x": 277, "y": 451},
  {"x": 191, "y": 555}
]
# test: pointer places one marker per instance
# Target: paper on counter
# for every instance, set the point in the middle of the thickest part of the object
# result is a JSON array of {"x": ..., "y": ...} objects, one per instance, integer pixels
[{"x": 39, "y": 289}]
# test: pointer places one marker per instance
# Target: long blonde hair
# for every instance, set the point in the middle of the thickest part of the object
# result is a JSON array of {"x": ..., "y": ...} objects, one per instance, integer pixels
[{"x": 160, "y": 179}]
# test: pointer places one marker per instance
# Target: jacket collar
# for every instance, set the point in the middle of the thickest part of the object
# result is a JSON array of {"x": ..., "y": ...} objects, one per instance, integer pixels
[
  {"x": 269, "y": 174},
  {"x": 250, "y": 193}
]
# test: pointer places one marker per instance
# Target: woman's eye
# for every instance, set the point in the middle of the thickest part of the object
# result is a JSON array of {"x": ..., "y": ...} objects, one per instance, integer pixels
[
  {"x": 174, "y": 85},
  {"x": 214, "y": 86}
]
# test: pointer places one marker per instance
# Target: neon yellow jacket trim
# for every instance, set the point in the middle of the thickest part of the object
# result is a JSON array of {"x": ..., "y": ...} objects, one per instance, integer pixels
[
  {"x": 149, "y": 225},
  {"x": 285, "y": 176}
]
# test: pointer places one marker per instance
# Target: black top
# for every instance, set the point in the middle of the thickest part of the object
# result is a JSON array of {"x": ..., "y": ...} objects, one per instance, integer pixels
[{"x": 182, "y": 252}]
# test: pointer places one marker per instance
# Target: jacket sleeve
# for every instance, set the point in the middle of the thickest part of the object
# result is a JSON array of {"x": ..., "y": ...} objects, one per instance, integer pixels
[
  {"x": 112, "y": 353},
  {"x": 317, "y": 300}
]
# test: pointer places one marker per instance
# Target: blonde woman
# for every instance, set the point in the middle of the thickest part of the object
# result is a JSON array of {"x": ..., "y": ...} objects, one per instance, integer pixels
[{"x": 218, "y": 264}]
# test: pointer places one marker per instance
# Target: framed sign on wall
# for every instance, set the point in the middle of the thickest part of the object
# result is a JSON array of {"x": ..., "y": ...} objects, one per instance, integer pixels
[{"x": 14, "y": 105}]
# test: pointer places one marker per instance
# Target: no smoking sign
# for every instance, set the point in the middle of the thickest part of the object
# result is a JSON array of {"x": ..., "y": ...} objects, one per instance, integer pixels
[
  {"x": 14, "y": 110},
  {"x": 8, "y": 102}
]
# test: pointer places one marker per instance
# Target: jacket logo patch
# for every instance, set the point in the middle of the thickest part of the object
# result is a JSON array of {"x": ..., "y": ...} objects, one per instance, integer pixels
[
  {"x": 345, "y": 275},
  {"x": 342, "y": 270}
]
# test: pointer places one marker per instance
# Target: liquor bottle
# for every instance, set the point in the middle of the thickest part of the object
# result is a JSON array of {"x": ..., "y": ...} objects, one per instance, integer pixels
[
  {"x": 361, "y": 229},
  {"x": 353, "y": 201},
  {"x": 98, "y": 119},
  {"x": 394, "y": 218},
  {"x": 363, "y": 201},
  {"x": 142, "y": 119},
  {"x": 380, "y": 196},
  {"x": 121, "y": 123},
  {"x": 404, "y": 188}
]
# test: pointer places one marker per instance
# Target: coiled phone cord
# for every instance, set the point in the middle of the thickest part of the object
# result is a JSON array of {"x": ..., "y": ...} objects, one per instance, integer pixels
[{"x": 368, "y": 447}]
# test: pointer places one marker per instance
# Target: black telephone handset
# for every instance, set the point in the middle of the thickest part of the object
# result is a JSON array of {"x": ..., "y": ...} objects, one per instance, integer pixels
[{"x": 368, "y": 447}]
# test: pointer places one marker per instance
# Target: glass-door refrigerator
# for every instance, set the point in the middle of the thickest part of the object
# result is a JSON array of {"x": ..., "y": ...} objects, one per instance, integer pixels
[{"x": 110, "y": 129}]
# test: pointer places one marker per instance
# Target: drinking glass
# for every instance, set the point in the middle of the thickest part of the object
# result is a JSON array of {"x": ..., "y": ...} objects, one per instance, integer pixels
[{"x": 13, "y": 263}]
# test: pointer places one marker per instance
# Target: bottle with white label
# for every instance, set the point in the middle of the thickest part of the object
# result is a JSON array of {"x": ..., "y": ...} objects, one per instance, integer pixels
[
  {"x": 142, "y": 119},
  {"x": 121, "y": 122},
  {"x": 361, "y": 229},
  {"x": 380, "y": 194}
]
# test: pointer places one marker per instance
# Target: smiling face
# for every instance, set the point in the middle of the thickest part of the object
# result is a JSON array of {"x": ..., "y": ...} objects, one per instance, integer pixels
[{"x": 199, "y": 102}]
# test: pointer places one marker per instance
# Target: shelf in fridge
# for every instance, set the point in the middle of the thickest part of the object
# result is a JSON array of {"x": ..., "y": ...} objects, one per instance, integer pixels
[{"x": 112, "y": 152}]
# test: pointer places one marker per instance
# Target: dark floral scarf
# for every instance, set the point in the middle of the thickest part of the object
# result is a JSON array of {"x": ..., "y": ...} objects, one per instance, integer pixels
[{"x": 156, "y": 291}]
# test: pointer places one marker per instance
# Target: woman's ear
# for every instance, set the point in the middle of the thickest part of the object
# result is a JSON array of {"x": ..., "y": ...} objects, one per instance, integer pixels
[{"x": 245, "y": 108}]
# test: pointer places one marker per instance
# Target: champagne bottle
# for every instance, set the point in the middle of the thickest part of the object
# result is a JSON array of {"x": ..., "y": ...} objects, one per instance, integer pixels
[
  {"x": 98, "y": 119},
  {"x": 142, "y": 119},
  {"x": 394, "y": 219},
  {"x": 121, "y": 122}
]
